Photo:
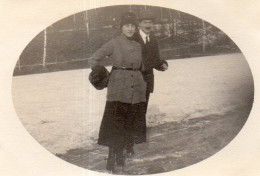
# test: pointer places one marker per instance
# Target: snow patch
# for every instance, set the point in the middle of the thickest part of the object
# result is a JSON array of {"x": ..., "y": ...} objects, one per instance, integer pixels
[{"x": 158, "y": 157}]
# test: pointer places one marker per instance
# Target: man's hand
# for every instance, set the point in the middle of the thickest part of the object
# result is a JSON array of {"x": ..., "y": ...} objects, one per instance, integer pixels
[{"x": 164, "y": 66}]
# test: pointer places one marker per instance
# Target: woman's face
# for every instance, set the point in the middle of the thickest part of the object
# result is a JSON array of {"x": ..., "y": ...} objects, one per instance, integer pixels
[{"x": 128, "y": 30}]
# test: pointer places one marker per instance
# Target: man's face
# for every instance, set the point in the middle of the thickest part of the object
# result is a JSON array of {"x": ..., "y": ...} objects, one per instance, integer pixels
[{"x": 146, "y": 26}]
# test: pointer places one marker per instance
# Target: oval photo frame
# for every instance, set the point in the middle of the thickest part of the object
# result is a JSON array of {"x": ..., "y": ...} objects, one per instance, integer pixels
[{"x": 207, "y": 111}]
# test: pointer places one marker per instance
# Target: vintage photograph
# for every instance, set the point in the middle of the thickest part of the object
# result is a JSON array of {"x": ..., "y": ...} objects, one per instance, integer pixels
[{"x": 132, "y": 89}]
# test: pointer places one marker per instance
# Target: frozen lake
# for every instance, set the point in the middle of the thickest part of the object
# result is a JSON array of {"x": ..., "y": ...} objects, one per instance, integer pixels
[{"x": 62, "y": 110}]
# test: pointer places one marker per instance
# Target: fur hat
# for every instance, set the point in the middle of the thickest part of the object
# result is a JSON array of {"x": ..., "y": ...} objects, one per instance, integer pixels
[
  {"x": 127, "y": 18},
  {"x": 99, "y": 77}
]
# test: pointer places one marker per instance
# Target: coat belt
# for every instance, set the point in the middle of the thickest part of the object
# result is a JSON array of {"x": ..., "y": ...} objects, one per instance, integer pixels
[{"x": 126, "y": 68}]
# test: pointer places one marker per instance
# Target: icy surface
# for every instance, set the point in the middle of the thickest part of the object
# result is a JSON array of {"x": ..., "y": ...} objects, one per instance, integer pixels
[{"x": 62, "y": 110}]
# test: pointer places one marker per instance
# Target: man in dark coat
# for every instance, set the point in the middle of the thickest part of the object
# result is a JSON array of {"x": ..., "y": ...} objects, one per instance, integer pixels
[{"x": 150, "y": 58}]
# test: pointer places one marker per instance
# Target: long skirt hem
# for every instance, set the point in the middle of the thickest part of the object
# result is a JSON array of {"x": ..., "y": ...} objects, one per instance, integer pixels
[{"x": 123, "y": 123}]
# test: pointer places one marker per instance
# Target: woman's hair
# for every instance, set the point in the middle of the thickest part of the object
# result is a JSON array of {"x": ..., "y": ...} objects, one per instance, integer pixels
[{"x": 127, "y": 18}]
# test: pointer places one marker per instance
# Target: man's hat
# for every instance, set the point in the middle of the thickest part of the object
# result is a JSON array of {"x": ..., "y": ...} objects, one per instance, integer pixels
[
  {"x": 127, "y": 18},
  {"x": 99, "y": 77},
  {"x": 146, "y": 15}
]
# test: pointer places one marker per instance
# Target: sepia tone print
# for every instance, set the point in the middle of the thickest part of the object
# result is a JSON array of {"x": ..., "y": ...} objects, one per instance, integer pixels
[{"x": 199, "y": 103}]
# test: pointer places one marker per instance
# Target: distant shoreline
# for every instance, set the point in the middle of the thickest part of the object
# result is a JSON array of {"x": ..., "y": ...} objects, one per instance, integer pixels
[{"x": 83, "y": 63}]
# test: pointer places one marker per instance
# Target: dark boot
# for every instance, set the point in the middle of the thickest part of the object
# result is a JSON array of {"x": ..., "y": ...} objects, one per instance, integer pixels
[
  {"x": 129, "y": 147},
  {"x": 111, "y": 159},
  {"x": 130, "y": 152},
  {"x": 120, "y": 159}
]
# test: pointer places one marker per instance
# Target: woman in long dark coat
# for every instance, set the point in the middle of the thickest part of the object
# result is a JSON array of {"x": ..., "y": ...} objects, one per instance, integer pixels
[{"x": 124, "y": 116}]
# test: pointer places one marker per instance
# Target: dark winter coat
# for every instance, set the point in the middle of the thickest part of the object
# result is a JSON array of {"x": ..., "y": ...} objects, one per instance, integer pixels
[{"x": 150, "y": 59}]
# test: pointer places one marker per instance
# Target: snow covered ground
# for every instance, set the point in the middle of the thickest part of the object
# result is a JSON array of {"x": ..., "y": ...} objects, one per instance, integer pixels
[{"x": 62, "y": 110}]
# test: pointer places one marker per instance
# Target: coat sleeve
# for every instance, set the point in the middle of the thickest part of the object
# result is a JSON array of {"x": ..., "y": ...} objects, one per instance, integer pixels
[
  {"x": 101, "y": 53},
  {"x": 159, "y": 62}
]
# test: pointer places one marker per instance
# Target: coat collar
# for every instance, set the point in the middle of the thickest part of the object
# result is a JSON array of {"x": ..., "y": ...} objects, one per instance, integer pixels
[
  {"x": 125, "y": 37},
  {"x": 137, "y": 37}
]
